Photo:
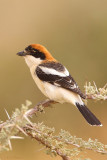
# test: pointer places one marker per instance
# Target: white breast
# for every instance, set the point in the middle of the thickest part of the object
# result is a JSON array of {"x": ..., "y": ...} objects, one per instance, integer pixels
[{"x": 38, "y": 82}]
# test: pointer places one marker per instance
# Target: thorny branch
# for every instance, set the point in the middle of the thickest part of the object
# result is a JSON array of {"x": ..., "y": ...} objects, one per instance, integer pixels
[
  {"x": 20, "y": 122},
  {"x": 92, "y": 92},
  {"x": 39, "y": 107},
  {"x": 45, "y": 143}
]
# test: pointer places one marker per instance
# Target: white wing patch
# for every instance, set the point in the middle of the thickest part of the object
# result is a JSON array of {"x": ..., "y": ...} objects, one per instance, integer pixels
[
  {"x": 74, "y": 86},
  {"x": 66, "y": 72},
  {"x": 54, "y": 72}
]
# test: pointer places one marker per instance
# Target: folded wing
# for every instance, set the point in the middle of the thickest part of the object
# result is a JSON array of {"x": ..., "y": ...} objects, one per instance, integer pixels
[{"x": 56, "y": 74}]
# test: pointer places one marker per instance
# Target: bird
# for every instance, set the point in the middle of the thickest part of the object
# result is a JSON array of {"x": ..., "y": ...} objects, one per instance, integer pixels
[{"x": 54, "y": 80}]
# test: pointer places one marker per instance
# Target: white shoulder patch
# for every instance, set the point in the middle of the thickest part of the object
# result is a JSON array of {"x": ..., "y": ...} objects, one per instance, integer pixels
[
  {"x": 54, "y": 72},
  {"x": 66, "y": 72}
]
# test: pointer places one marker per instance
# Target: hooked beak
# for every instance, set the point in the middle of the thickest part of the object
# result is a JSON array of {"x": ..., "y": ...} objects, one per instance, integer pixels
[{"x": 22, "y": 53}]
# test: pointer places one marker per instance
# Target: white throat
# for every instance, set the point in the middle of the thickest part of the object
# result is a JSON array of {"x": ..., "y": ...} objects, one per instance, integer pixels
[{"x": 30, "y": 60}]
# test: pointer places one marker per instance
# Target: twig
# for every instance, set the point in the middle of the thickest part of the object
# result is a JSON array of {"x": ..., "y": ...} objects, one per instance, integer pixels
[
  {"x": 47, "y": 145},
  {"x": 80, "y": 146},
  {"x": 37, "y": 108},
  {"x": 92, "y": 92}
]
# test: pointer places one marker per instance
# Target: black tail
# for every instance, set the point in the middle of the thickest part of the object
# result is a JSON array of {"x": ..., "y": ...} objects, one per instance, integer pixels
[{"x": 88, "y": 115}]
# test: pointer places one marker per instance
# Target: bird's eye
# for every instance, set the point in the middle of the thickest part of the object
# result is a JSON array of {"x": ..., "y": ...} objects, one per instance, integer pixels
[
  {"x": 29, "y": 49},
  {"x": 34, "y": 50}
]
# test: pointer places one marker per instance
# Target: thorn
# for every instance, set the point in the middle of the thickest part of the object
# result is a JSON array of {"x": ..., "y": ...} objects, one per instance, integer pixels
[
  {"x": 27, "y": 113},
  {"x": 105, "y": 86},
  {"x": 95, "y": 86},
  {"x": 27, "y": 119},
  {"x": 16, "y": 137},
  {"x": 9, "y": 143},
  {"x": 7, "y": 114},
  {"x": 21, "y": 130}
]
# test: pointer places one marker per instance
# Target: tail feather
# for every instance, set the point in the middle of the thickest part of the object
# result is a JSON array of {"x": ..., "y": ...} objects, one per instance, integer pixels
[{"x": 88, "y": 115}]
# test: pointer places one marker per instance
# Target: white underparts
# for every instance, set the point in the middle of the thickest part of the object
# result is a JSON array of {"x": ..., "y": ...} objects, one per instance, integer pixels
[
  {"x": 61, "y": 95},
  {"x": 51, "y": 91}
]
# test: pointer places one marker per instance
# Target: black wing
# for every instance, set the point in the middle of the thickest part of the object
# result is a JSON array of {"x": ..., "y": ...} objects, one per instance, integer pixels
[{"x": 66, "y": 82}]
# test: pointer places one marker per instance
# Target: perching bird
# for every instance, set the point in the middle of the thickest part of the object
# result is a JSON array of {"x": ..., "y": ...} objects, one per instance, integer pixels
[{"x": 54, "y": 80}]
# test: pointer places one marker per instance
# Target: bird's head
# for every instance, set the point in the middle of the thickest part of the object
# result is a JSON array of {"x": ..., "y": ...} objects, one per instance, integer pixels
[{"x": 35, "y": 54}]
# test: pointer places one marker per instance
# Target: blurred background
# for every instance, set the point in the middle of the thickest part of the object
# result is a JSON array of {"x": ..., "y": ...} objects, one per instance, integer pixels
[{"x": 75, "y": 32}]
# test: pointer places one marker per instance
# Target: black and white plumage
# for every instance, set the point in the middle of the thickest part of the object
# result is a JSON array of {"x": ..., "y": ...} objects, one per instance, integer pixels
[
  {"x": 54, "y": 80},
  {"x": 56, "y": 74}
]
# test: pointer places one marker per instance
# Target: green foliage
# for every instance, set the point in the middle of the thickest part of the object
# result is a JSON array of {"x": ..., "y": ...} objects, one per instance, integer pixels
[
  {"x": 94, "y": 145},
  {"x": 63, "y": 144},
  {"x": 12, "y": 126},
  {"x": 93, "y": 92}
]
